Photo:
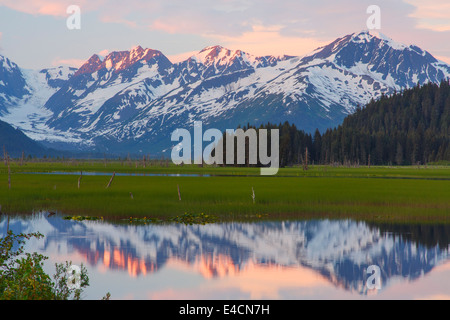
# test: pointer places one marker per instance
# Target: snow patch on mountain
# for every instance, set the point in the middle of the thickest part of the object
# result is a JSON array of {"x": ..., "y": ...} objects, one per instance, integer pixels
[{"x": 29, "y": 113}]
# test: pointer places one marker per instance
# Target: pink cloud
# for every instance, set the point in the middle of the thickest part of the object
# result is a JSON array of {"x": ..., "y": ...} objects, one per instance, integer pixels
[
  {"x": 443, "y": 58},
  {"x": 164, "y": 26},
  {"x": 269, "y": 41},
  {"x": 431, "y": 14},
  {"x": 104, "y": 52},
  {"x": 49, "y": 7},
  {"x": 52, "y": 9},
  {"x": 179, "y": 23},
  {"x": 259, "y": 27},
  {"x": 116, "y": 19},
  {"x": 174, "y": 58},
  {"x": 68, "y": 62},
  {"x": 434, "y": 9}
]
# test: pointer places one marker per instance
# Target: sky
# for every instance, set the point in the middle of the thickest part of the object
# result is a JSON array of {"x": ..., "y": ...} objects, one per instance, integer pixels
[{"x": 34, "y": 33}]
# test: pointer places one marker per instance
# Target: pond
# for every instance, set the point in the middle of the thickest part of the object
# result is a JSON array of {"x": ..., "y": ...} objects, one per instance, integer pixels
[
  {"x": 313, "y": 259},
  {"x": 124, "y": 174}
]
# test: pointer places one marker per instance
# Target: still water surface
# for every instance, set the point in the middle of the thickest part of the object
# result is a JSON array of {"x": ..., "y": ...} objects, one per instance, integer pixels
[
  {"x": 123, "y": 174},
  {"x": 314, "y": 259}
]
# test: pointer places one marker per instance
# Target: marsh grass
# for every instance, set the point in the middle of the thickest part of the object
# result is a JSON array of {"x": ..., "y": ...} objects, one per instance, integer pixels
[
  {"x": 110, "y": 166},
  {"x": 381, "y": 193}
]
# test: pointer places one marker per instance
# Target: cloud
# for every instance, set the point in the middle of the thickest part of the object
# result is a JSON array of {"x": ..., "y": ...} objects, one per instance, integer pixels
[
  {"x": 443, "y": 58},
  {"x": 431, "y": 14},
  {"x": 74, "y": 62},
  {"x": 437, "y": 297},
  {"x": 234, "y": 18},
  {"x": 103, "y": 53},
  {"x": 224, "y": 17},
  {"x": 174, "y": 58},
  {"x": 49, "y": 7},
  {"x": 259, "y": 27},
  {"x": 269, "y": 41},
  {"x": 68, "y": 62}
]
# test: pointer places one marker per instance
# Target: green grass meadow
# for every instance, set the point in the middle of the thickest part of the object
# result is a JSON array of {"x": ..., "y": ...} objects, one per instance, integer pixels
[{"x": 385, "y": 194}]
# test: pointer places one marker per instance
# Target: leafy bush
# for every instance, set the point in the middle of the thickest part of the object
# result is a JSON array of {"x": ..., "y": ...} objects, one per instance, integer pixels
[{"x": 22, "y": 276}]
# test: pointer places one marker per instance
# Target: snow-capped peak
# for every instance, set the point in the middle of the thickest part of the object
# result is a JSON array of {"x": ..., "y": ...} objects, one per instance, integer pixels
[
  {"x": 211, "y": 48},
  {"x": 58, "y": 73},
  {"x": 369, "y": 35},
  {"x": 136, "y": 50},
  {"x": 118, "y": 60},
  {"x": 92, "y": 65},
  {"x": 213, "y": 54},
  {"x": 220, "y": 57},
  {"x": 7, "y": 64}
]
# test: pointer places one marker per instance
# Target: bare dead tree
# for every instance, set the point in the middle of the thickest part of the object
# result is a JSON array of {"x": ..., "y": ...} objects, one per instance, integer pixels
[
  {"x": 111, "y": 180},
  {"x": 4, "y": 156},
  {"x": 253, "y": 195},
  {"x": 305, "y": 161},
  {"x": 79, "y": 179},
  {"x": 9, "y": 171}
]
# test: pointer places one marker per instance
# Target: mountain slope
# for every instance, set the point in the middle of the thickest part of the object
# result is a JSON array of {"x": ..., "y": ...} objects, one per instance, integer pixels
[
  {"x": 15, "y": 142},
  {"x": 406, "y": 128},
  {"x": 331, "y": 82},
  {"x": 12, "y": 84},
  {"x": 25, "y": 107}
]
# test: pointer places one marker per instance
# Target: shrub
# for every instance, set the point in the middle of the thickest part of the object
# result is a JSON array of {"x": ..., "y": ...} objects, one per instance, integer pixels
[{"x": 22, "y": 276}]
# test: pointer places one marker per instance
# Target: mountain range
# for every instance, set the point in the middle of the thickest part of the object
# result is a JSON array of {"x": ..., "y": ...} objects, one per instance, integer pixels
[{"x": 131, "y": 101}]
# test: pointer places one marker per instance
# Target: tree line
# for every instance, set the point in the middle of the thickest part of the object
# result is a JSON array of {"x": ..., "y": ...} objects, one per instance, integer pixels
[{"x": 405, "y": 128}]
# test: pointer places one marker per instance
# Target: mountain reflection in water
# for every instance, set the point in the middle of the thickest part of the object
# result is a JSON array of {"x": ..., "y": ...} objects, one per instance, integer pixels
[{"x": 249, "y": 260}]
